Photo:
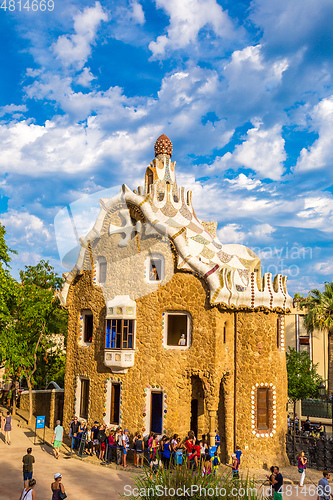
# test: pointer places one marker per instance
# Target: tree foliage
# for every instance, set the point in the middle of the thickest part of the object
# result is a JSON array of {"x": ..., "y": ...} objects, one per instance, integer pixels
[
  {"x": 319, "y": 307},
  {"x": 35, "y": 316},
  {"x": 303, "y": 379}
]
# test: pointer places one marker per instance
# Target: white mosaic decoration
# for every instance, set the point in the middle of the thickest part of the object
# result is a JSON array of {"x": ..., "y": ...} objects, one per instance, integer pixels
[{"x": 257, "y": 432}]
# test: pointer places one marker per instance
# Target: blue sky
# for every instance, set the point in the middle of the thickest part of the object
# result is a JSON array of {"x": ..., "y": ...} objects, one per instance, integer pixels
[{"x": 243, "y": 89}]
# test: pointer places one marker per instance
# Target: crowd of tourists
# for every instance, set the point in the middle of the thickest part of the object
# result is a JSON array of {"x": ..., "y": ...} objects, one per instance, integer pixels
[
  {"x": 113, "y": 445},
  {"x": 306, "y": 429}
]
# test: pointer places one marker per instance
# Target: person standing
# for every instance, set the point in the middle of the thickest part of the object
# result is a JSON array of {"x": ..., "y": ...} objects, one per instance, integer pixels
[
  {"x": 217, "y": 441},
  {"x": 57, "y": 487},
  {"x": 7, "y": 427},
  {"x": 57, "y": 438},
  {"x": 324, "y": 489},
  {"x": 29, "y": 492},
  {"x": 234, "y": 466},
  {"x": 301, "y": 466},
  {"x": 140, "y": 447},
  {"x": 28, "y": 461},
  {"x": 75, "y": 425},
  {"x": 125, "y": 440},
  {"x": 277, "y": 481},
  {"x": 238, "y": 453},
  {"x": 94, "y": 436},
  {"x": 119, "y": 441},
  {"x": 307, "y": 427}
]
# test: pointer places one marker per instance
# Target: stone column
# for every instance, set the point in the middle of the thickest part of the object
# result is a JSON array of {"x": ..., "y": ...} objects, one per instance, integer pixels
[
  {"x": 212, "y": 426},
  {"x": 229, "y": 414},
  {"x": 52, "y": 409}
]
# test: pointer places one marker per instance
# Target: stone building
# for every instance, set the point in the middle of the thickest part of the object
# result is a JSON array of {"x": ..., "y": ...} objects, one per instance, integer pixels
[{"x": 171, "y": 330}]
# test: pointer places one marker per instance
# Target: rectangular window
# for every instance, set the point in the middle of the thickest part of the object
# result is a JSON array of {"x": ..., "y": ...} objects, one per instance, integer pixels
[
  {"x": 177, "y": 329},
  {"x": 278, "y": 332},
  {"x": 119, "y": 334},
  {"x": 102, "y": 272},
  {"x": 88, "y": 326},
  {"x": 262, "y": 409},
  {"x": 156, "y": 416},
  {"x": 155, "y": 269},
  {"x": 84, "y": 399},
  {"x": 115, "y": 404},
  {"x": 304, "y": 344}
]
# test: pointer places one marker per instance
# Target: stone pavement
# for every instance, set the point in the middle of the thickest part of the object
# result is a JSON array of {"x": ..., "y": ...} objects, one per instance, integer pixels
[{"x": 81, "y": 480}]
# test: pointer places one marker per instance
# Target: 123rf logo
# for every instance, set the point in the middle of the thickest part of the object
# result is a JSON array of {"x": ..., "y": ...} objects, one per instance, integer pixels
[{"x": 27, "y": 5}]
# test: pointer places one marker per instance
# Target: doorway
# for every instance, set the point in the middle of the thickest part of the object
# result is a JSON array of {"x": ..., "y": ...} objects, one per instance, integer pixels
[
  {"x": 156, "y": 413},
  {"x": 194, "y": 416}
]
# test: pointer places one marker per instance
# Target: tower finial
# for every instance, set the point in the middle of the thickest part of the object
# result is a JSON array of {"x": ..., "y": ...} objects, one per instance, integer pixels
[{"x": 163, "y": 146}]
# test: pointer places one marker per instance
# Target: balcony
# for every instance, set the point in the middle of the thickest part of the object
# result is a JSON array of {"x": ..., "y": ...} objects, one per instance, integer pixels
[
  {"x": 119, "y": 346},
  {"x": 119, "y": 360}
]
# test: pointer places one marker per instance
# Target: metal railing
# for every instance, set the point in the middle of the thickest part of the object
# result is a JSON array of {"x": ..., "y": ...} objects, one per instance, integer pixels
[
  {"x": 318, "y": 451},
  {"x": 317, "y": 408}
]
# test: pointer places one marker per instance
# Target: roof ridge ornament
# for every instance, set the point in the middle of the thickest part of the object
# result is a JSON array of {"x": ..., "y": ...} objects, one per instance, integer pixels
[{"x": 163, "y": 146}]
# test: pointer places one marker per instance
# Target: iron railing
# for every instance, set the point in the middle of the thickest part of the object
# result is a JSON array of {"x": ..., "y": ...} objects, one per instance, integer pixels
[
  {"x": 317, "y": 408},
  {"x": 318, "y": 451}
]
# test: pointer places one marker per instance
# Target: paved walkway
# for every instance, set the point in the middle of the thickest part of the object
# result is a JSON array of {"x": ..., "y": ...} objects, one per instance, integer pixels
[
  {"x": 81, "y": 480},
  {"x": 87, "y": 479}
]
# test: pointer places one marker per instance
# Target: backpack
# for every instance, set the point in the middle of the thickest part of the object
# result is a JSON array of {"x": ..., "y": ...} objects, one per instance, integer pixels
[
  {"x": 216, "y": 461},
  {"x": 101, "y": 437}
]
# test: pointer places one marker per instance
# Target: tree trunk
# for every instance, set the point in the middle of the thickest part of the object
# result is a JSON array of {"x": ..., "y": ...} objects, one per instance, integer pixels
[
  {"x": 30, "y": 400},
  {"x": 294, "y": 433},
  {"x": 14, "y": 398}
]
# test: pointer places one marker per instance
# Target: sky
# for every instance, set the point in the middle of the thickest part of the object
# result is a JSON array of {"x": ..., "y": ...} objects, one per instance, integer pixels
[{"x": 243, "y": 89}]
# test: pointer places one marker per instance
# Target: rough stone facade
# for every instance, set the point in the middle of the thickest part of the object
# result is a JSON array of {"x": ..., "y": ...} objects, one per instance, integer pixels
[{"x": 211, "y": 383}]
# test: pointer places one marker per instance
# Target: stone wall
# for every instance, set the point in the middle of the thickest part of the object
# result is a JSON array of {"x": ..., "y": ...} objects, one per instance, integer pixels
[
  {"x": 45, "y": 402},
  {"x": 260, "y": 363}
]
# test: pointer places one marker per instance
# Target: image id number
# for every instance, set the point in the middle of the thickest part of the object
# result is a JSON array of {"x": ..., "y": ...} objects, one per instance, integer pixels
[{"x": 27, "y": 5}]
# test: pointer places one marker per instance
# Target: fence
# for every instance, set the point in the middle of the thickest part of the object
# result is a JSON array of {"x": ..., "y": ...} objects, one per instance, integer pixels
[
  {"x": 317, "y": 408},
  {"x": 318, "y": 451}
]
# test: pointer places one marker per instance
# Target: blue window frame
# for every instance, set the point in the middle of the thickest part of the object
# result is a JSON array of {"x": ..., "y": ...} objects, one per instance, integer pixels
[{"x": 119, "y": 334}]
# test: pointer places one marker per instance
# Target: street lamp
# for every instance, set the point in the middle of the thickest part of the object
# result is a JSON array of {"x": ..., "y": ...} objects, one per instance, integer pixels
[{"x": 322, "y": 389}]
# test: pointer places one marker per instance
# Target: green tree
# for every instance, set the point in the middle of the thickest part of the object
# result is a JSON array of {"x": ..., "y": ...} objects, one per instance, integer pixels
[
  {"x": 8, "y": 296},
  {"x": 319, "y": 307},
  {"x": 37, "y": 309},
  {"x": 303, "y": 379}
]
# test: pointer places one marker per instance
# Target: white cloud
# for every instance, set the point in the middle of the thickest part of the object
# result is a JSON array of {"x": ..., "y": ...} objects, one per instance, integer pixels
[
  {"x": 262, "y": 151},
  {"x": 60, "y": 147},
  {"x": 262, "y": 232},
  {"x": 137, "y": 13},
  {"x": 187, "y": 18},
  {"x": 13, "y": 109},
  {"x": 319, "y": 155},
  {"x": 85, "y": 77},
  {"x": 74, "y": 50},
  {"x": 243, "y": 182},
  {"x": 324, "y": 267},
  {"x": 231, "y": 233},
  {"x": 24, "y": 227}
]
